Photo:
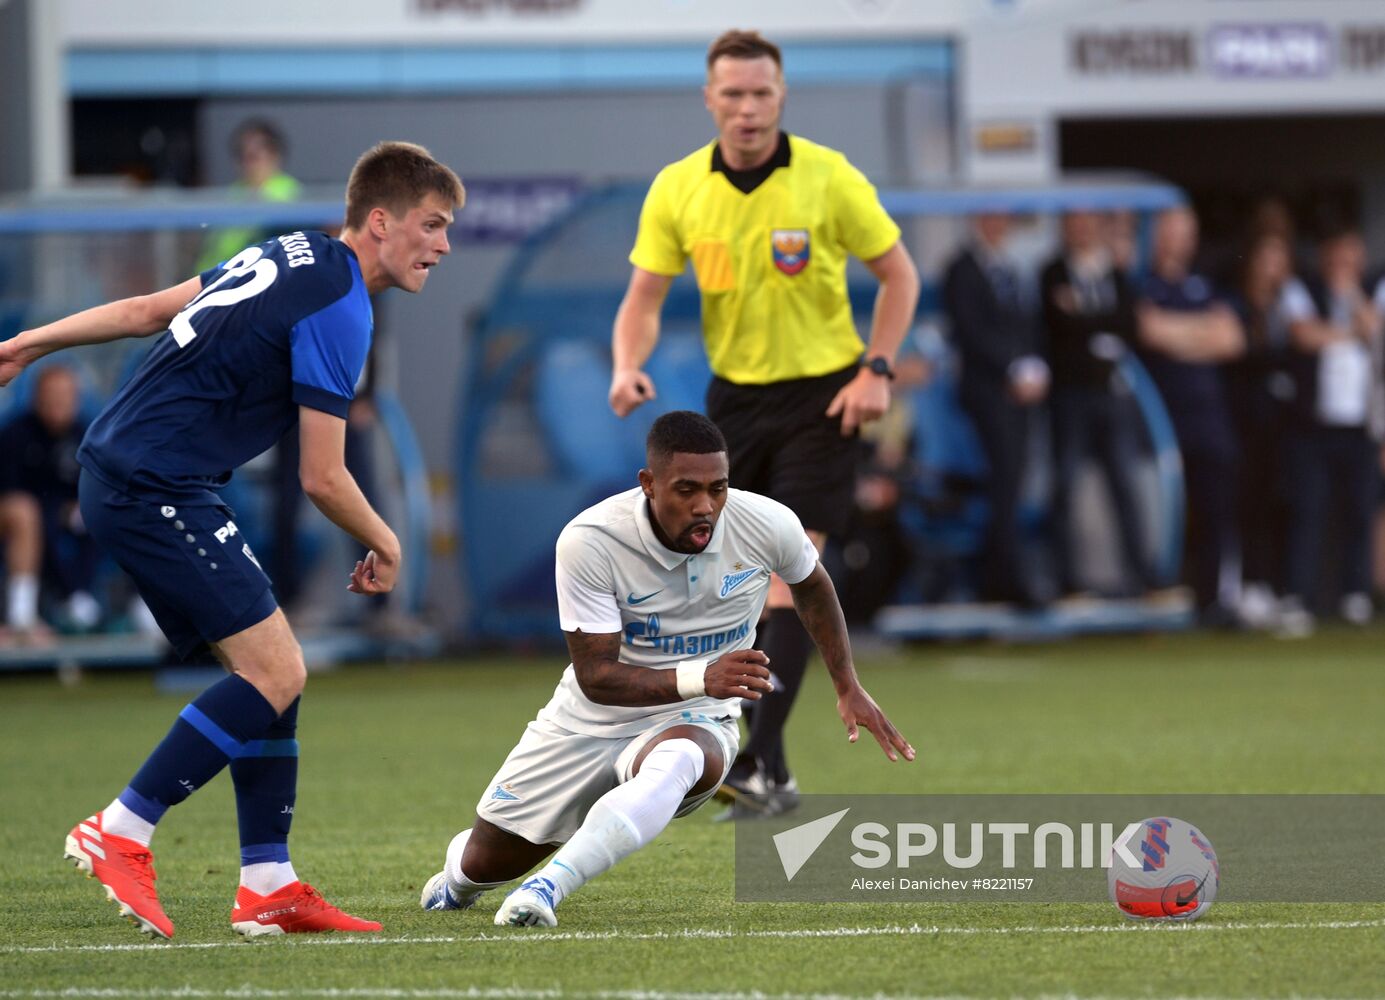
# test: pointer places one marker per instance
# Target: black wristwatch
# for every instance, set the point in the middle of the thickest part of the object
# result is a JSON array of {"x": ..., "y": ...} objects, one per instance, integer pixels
[{"x": 880, "y": 366}]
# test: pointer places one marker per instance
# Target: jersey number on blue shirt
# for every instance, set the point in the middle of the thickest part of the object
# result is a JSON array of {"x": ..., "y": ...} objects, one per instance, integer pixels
[{"x": 248, "y": 261}]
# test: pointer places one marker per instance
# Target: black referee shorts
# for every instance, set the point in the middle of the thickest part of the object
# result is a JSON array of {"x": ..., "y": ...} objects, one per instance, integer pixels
[{"x": 784, "y": 446}]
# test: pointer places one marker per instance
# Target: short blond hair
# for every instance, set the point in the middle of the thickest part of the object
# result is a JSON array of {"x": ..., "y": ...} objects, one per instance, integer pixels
[{"x": 396, "y": 176}]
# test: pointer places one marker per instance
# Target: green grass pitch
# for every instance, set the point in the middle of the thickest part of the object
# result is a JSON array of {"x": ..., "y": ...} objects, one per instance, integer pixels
[{"x": 394, "y": 759}]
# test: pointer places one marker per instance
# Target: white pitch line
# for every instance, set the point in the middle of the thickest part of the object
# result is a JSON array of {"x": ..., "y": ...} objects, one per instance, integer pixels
[
  {"x": 471, "y": 993},
  {"x": 474, "y": 993},
  {"x": 704, "y": 933}
]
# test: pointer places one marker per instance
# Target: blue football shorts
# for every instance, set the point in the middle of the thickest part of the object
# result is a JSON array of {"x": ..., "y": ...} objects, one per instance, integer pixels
[{"x": 193, "y": 568}]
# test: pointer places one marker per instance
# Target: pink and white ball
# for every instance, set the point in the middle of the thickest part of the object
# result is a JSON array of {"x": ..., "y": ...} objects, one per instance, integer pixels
[{"x": 1176, "y": 876}]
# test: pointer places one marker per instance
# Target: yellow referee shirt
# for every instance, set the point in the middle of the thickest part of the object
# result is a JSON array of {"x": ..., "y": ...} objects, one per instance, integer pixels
[{"x": 771, "y": 264}]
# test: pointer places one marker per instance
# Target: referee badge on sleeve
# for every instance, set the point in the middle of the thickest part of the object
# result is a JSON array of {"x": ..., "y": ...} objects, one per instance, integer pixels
[{"x": 790, "y": 247}]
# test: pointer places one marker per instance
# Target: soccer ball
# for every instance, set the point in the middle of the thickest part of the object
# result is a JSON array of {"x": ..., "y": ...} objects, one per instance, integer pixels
[{"x": 1177, "y": 877}]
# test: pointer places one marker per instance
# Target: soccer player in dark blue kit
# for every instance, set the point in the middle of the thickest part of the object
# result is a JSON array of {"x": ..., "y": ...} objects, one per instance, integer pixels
[{"x": 278, "y": 334}]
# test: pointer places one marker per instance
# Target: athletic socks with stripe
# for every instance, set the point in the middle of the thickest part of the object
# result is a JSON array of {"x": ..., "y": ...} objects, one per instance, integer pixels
[
  {"x": 266, "y": 788},
  {"x": 230, "y": 722}
]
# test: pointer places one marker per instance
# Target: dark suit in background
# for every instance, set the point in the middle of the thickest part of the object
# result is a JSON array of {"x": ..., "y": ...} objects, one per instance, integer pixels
[
  {"x": 996, "y": 337},
  {"x": 1090, "y": 320}
]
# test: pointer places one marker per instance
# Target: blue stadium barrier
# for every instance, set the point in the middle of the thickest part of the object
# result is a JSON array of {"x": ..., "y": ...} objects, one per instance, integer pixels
[
  {"x": 413, "y": 475},
  {"x": 537, "y": 442},
  {"x": 12, "y": 318},
  {"x": 175, "y": 210},
  {"x": 1168, "y": 464}
]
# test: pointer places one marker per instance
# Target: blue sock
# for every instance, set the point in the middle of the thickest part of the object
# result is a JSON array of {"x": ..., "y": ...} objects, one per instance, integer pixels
[
  {"x": 208, "y": 733},
  {"x": 266, "y": 780}
]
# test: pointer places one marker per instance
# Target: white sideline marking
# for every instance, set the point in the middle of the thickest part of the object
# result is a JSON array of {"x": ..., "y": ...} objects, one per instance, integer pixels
[
  {"x": 495, "y": 993},
  {"x": 471, "y": 993},
  {"x": 531, "y": 937}
]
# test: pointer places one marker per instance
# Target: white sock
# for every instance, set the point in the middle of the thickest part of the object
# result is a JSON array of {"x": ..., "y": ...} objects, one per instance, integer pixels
[
  {"x": 461, "y": 886},
  {"x": 116, "y": 819},
  {"x": 21, "y": 594},
  {"x": 627, "y": 817},
  {"x": 267, "y": 876}
]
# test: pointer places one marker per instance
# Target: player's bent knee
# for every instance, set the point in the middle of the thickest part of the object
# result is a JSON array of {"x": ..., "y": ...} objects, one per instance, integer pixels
[
  {"x": 285, "y": 671},
  {"x": 269, "y": 657},
  {"x": 279, "y": 683},
  {"x": 687, "y": 755},
  {"x": 294, "y": 676}
]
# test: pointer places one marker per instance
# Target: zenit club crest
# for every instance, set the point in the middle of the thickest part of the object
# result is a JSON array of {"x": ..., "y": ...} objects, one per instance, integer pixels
[{"x": 790, "y": 248}]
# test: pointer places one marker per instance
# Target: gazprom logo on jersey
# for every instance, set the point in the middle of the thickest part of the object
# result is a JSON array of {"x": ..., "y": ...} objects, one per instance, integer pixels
[
  {"x": 731, "y": 581},
  {"x": 646, "y": 633},
  {"x": 647, "y": 629}
]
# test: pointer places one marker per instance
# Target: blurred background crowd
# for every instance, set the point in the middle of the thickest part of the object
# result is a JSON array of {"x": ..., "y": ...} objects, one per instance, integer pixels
[{"x": 1267, "y": 358}]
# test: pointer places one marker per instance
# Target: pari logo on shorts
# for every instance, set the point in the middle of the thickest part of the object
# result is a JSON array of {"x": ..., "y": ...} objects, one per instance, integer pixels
[
  {"x": 731, "y": 581},
  {"x": 790, "y": 248}
]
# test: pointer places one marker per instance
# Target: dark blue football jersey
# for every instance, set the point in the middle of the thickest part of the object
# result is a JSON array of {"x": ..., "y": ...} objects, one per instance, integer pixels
[{"x": 281, "y": 324}]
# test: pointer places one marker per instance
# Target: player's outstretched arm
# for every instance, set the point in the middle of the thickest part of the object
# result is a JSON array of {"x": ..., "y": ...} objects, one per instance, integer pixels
[
  {"x": 332, "y": 489},
  {"x": 815, "y": 600},
  {"x": 633, "y": 338},
  {"x": 607, "y": 681},
  {"x": 133, "y": 317}
]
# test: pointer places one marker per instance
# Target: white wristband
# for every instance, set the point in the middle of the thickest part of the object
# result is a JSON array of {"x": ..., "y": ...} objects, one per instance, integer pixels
[{"x": 692, "y": 679}]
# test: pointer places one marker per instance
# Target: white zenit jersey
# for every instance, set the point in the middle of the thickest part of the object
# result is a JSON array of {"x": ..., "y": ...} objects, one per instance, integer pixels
[{"x": 614, "y": 575}]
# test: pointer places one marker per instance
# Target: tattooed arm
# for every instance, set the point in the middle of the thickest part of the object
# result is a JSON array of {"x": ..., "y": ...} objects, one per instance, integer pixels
[
  {"x": 607, "y": 681},
  {"x": 815, "y": 599}
]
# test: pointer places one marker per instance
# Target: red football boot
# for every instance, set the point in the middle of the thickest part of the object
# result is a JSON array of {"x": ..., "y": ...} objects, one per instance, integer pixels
[
  {"x": 297, "y": 908},
  {"x": 125, "y": 868}
]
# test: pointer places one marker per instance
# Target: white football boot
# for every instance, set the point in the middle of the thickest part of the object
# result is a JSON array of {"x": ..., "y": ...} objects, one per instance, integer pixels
[
  {"x": 438, "y": 893},
  {"x": 531, "y": 905}
]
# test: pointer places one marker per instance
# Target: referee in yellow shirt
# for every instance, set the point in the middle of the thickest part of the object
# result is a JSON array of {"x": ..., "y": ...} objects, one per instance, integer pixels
[{"x": 768, "y": 220}]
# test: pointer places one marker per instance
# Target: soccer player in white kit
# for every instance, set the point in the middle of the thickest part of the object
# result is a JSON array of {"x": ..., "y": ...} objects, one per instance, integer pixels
[{"x": 659, "y": 591}]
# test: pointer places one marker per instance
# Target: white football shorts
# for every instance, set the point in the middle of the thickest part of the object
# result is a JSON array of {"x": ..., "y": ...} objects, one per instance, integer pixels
[{"x": 553, "y": 776}]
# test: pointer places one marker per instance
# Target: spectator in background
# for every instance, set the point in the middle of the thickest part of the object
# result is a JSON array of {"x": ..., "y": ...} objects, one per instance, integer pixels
[
  {"x": 1262, "y": 394},
  {"x": 1004, "y": 379},
  {"x": 1089, "y": 313},
  {"x": 258, "y": 148},
  {"x": 1335, "y": 332},
  {"x": 46, "y": 545},
  {"x": 1272, "y": 217},
  {"x": 1122, "y": 235},
  {"x": 1186, "y": 335}
]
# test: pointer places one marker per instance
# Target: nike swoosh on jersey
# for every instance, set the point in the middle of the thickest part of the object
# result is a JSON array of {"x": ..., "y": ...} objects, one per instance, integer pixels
[{"x": 632, "y": 599}]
